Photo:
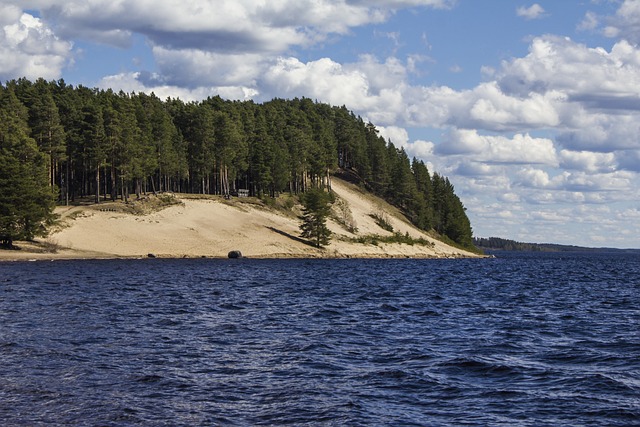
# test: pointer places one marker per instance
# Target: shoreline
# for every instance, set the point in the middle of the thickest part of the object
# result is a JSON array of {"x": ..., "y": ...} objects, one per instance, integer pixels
[
  {"x": 211, "y": 227},
  {"x": 28, "y": 256}
]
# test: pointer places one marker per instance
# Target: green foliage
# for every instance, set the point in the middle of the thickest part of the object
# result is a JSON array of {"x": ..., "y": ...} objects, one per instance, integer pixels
[
  {"x": 405, "y": 239},
  {"x": 26, "y": 202},
  {"x": 497, "y": 243},
  {"x": 316, "y": 210},
  {"x": 342, "y": 215},
  {"x": 109, "y": 145},
  {"x": 382, "y": 220}
]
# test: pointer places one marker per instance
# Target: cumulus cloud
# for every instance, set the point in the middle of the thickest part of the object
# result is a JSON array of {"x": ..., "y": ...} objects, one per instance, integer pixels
[
  {"x": 225, "y": 25},
  {"x": 324, "y": 77},
  {"x": 588, "y": 161},
  {"x": 421, "y": 149},
  {"x": 557, "y": 125},
  {"x": 626, "y": 22},
  {"x": 521, "y": 149},
  {"x": 574, "y": 182},
  {"x": 591, "y": 75},
  {"x": 589, "y": 23},
  {"x": 534, "y": 11},
  {"x": 486, "y": 106},
  {"x": 208, "y": 68},
  {"x": 397, "y": 135},
  {"x": 591, "y": 93},
  {"x": 29, "y": 47},
  {"x": 141, "y": 82},
  {"x": 368, "y": 86},
  {"x": 223, "y": 43}
]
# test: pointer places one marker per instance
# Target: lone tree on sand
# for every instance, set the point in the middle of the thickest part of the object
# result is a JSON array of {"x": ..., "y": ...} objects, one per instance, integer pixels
[{"x": 316, "y": 209}]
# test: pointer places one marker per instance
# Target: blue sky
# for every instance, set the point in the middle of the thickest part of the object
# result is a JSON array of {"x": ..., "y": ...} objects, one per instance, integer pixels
[{"x": 531, "y": 108}]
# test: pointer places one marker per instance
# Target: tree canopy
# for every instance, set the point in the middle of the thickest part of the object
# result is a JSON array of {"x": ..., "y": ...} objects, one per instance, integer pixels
[
  {"x": 26, "y": 198},
  {"x": 107, "y": 145},
  {"x": 316, "y": 210}
]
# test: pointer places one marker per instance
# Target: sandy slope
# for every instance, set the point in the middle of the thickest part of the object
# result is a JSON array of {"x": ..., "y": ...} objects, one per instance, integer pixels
[{"x": 212, "y": 228}]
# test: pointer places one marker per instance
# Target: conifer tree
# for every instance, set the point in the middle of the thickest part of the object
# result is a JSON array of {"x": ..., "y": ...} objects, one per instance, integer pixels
[
  {"x": 26, "y": 201},
  {"x": 317, "y": 206},
  {"x": 99, "y": 142}
]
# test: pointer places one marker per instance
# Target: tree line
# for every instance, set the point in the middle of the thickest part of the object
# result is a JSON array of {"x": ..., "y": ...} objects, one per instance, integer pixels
[
  {"x": 500, "y": 244},
  {"x": 111, "y": 145}
]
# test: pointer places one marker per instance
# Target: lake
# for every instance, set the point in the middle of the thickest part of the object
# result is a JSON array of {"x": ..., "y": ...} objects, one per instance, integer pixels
[{"x": 524, "y": 339}]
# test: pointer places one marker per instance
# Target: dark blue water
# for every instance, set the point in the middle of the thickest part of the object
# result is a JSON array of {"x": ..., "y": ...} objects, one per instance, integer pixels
[{"x": 521, "y": 340}]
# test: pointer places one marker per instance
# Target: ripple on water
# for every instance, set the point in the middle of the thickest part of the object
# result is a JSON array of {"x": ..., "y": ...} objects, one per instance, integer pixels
[{"x": 528, "y": 340}]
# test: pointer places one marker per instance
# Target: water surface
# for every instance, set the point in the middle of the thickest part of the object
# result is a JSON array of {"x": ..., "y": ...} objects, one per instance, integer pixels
[{"x": 520, "y": 340}]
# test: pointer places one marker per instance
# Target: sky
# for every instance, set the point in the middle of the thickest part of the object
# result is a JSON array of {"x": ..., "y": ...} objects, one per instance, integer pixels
[{"x": 531, "y": 109}]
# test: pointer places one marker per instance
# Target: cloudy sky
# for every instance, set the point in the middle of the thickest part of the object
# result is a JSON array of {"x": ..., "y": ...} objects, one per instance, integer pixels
[{"x": 532, "y": 109}]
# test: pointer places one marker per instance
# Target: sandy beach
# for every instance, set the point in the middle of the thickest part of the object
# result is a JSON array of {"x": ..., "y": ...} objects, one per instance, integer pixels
[{"x": 212, "y": 227}]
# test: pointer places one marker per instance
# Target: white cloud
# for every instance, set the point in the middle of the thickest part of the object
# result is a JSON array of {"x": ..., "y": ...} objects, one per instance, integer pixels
[
  {"x": 509, "y": 198},
  {"x": 534, "y": 11},
  {"x": 576, "y": 182},
  {"x": 588, "y": 161},
  {"x": 521, "y": 149},
  {"x": 323, "y": 78},
  {"x": 193, "y": 67},
  {"x": 591, "y": 75},
  {"x": 420, "y": 149},
  {"x": 475, "y": 169},
  {"x": 28, "y": 48},
  {"x": 225, "y": 25},
  {"x": 373, "y": 88},
  {"x": 625, "y": 23},
  {"x": 589, "y": 23},
  {"x": 215, "y": 43},
  {"x": 557, "y": 126},
  {"x": 135, "y": 82},
  {"x": 485, "y": 107},
  {"x": 399, "y": 136}
]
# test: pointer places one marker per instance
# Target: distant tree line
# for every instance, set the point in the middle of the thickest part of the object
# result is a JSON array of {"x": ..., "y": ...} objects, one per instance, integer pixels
[
  {"x": 497, "y": 243},
  {"x": 107, "y": 146}
]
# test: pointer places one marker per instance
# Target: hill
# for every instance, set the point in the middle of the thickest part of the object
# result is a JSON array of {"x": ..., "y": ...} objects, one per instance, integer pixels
[
  {"x": 211, "y": 226},
  {"x": 65, "y": 144}
]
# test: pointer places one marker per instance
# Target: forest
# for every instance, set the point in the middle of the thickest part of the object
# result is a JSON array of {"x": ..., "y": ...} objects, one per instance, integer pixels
[
  {"x": 500, "y": 244},
  {"x": 60, "y": 144}
]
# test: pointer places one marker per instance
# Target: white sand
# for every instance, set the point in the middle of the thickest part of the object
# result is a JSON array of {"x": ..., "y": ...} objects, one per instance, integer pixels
[{"x": 212, "y": 228}]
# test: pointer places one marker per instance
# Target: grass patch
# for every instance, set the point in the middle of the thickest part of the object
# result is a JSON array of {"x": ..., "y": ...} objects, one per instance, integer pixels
[
  {"x": 382, "y": 220},
  {"x": 149, "y": 204},
  {"x": 341, "y": 213},
  {"x": 404, "y": 239}
]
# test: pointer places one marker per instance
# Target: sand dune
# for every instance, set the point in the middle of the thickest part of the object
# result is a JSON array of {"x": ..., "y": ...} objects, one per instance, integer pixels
[{"x": 213, "y": 227}]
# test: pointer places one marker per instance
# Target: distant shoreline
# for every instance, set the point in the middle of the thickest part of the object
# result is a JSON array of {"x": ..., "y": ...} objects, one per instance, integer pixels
[{"x": 499, "y": 244}]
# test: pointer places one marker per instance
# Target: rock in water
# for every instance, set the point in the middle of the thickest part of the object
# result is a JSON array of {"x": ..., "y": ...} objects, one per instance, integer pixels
[{"x": 235, "y": 254}]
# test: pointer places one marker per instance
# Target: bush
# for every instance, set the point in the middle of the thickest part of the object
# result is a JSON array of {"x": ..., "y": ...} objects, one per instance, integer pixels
[{"x": 383, "y": 221}]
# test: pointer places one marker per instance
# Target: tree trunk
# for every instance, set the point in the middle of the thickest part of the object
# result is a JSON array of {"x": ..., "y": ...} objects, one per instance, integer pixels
[
  {"x": 98, "y": 183},
  {"x": 114, "y": 190},
  {"x": 153, "y": 186},
  {"x": 66, "y": 183}
]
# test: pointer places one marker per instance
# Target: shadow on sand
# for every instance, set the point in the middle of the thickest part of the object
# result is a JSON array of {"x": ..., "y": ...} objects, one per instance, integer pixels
[{"x": 291, "y": 236}]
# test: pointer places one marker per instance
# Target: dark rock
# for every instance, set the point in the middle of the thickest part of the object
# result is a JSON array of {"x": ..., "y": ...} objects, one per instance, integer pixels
[
  {"x": 151, "y": 255},
  {"x": 235, "y": 254}
]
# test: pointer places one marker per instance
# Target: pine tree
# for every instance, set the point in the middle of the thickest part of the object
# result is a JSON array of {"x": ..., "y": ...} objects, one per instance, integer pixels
[
  {"x": 26, "y": 201},
  {"x": 317, "y": 206}
]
